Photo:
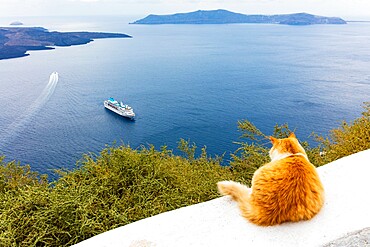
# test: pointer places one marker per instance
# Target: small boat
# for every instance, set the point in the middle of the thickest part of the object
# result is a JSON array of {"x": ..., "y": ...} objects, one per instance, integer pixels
[{"x": 119, "y": 108}]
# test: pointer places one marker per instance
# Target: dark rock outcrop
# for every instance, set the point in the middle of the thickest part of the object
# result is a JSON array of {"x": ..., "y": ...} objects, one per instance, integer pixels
[{"x": 16, "y": 41}]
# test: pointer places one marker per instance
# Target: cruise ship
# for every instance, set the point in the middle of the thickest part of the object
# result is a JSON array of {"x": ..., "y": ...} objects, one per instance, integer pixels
[{"x": 119, "y": 108}]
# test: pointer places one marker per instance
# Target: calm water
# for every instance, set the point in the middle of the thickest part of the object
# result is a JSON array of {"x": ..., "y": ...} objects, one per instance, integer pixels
[{"x": 184, "y": 81}]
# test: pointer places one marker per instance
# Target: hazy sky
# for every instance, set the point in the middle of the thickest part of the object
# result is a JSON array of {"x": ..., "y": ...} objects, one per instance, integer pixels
[{"x": 342, "y": 8}]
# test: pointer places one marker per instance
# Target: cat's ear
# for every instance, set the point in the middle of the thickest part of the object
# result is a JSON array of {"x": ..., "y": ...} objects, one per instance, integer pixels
[
  {"x": 292, "y": 135},
  {"x": 273, "y": 140}
]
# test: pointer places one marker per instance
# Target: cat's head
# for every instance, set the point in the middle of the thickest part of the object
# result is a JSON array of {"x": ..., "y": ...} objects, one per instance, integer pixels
[{"x": 282, "y": 148}]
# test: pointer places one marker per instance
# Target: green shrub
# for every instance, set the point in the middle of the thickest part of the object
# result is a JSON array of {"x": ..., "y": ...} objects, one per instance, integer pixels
[
  {"x": 117, "y": 187},
  {"x": 347, "y": 139}
]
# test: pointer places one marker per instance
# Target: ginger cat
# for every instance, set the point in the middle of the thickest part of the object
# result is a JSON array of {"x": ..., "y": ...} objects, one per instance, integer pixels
[{"x": 286, "y": 189}]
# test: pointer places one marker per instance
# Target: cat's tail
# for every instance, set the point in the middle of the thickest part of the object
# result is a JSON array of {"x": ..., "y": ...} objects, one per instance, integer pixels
[{"x": 238, "y": 192}]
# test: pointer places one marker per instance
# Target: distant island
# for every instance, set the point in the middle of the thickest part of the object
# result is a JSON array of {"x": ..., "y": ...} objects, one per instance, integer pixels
[
  {"x": 16, "y": 41},
  {"x": 16, "y": 23},
  {"x": 225, "y": 17}
]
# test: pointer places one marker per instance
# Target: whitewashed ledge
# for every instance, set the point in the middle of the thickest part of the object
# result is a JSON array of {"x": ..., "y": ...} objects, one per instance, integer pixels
[{"x": 218, "y": 223}]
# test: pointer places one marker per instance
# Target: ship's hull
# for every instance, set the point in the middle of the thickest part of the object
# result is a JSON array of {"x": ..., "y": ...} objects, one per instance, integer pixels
[{"x": 122, "y": 113}]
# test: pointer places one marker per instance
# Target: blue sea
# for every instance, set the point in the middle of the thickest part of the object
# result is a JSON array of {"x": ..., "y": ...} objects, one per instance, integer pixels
[{"x": 183, "y": 81}]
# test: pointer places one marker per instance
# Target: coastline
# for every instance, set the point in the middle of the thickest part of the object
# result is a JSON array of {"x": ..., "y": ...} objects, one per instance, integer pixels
[{"x": 16, "y": 41}]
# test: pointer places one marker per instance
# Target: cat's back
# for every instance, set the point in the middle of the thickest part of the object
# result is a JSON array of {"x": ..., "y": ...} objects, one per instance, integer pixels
[
  {"x": 295, "y": 167},
  {"x": 289, "y": 189},
  {"x": 292, "y": 172}
]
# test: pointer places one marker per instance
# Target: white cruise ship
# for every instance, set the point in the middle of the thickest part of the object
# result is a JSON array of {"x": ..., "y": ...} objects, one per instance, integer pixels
[{"x": 119, "y": 108}]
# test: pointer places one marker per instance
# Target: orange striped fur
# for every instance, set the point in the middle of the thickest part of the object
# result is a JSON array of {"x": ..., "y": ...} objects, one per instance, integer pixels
[{"x": 286, "y": 189}]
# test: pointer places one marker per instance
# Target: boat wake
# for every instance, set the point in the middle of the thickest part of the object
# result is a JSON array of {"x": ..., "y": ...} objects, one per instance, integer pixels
[
  {"x": 48, "y": 90},
  {"x": 19, "y": 124}
]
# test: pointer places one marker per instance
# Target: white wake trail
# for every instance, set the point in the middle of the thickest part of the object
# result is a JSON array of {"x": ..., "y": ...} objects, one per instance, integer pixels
[
  {"x": 12, "y": 130},
  {"x": 47, "y": 92}
]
